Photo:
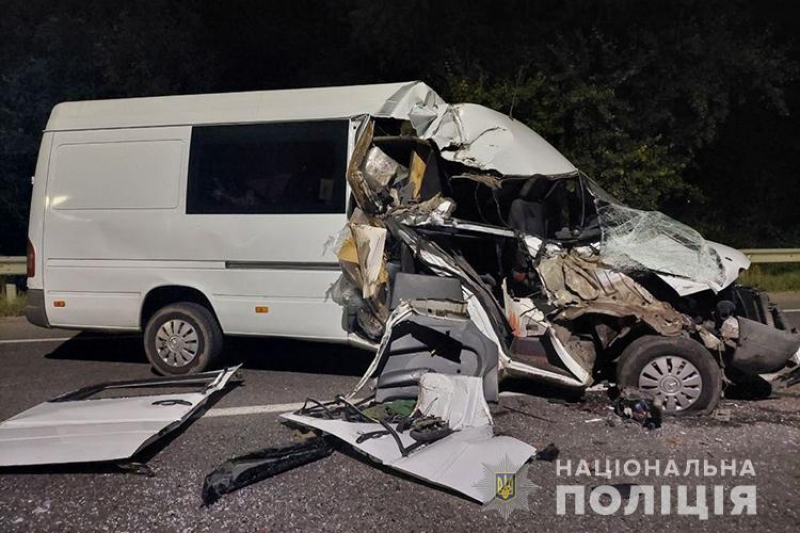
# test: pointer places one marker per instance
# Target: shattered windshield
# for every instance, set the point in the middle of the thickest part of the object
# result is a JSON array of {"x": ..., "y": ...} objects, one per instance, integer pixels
[{"x": 634, "y": 241}]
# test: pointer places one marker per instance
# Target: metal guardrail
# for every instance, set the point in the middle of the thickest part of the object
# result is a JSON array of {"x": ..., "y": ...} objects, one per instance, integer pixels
[
  {"x": 13, "y": 266},
  {"x": 16, "y": 266},
  {"x": 773, "y": 255}
]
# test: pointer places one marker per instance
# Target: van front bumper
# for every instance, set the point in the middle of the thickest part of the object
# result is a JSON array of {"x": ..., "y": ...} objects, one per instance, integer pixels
[{"x": 35, "y": 309}]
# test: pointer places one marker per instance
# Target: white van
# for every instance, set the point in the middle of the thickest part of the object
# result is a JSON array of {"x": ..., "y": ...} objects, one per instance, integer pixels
[
  {"x": 187, "y": 217},
  {"x": 190, "y": 217}
]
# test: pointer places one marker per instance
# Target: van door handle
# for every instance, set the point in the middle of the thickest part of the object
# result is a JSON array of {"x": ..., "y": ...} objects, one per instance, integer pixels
[{"x": 176, "y": 401}]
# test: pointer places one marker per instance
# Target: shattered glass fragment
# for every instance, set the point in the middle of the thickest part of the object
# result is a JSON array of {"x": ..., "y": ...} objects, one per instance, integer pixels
[
  {"x": 380, "y": 170},
  {"x": 636, "y": 241}
]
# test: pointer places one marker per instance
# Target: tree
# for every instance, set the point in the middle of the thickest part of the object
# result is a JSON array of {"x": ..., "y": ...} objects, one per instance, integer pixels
[{"x": 78, "y": 50}]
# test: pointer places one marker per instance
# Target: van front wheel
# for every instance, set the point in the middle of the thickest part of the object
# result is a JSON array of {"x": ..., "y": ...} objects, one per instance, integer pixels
[
  {"x": 679, "y": 371},
  {"x": 182, "y": 338}
]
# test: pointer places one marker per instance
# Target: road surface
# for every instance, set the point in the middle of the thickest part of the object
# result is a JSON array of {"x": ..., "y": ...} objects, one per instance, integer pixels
[{"x": 344, "y": 492}]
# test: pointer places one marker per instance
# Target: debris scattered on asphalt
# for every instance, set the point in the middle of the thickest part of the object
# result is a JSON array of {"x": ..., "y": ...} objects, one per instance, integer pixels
[
  {"x": 722, "y": 415},
  {"x": 139, "y": 469},
  {"x": 549, "y": 453},
  {"x": 247, "y": 469},
  {"x": 639, "y": 407}
]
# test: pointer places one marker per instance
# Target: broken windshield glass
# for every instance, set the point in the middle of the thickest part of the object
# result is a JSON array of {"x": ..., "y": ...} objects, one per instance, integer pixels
[{"x": 636, "y": 241}]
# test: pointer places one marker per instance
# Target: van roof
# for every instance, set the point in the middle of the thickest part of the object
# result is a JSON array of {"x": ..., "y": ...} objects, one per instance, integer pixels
[{"x": 226, "y": 108}]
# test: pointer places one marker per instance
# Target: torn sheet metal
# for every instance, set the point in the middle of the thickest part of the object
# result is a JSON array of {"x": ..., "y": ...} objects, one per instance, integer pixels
[
  {"x": 485, "y": 139},
  {"x": 369, "y": 243},
  {"x": 416, "y": 102},
  {"x": 362, "y": 191},
  {"x": 577, "y": 283},
  {"x": 475, "y": 135},
  {"x": 442, "y": 263},
  {"x": 400, "y": 313},
  {"x": 456, "y": 461},
  {"x": 76, "y": 429}
]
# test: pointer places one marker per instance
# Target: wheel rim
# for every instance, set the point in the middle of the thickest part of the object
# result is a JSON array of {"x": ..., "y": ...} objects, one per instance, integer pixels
[
  {"x": 177, "y": 342},
  {"x": 674, "y": 380}
]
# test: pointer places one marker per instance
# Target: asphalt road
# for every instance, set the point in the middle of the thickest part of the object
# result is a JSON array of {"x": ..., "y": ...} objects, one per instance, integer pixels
[{"x": 345, "y": 492}]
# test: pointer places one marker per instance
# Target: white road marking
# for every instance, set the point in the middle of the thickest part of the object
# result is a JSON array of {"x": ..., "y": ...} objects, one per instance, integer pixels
[
  {"x": 791, "y": 310},
  {"x": 64, "y": 339},
  {"x": 25, "y": 341}
]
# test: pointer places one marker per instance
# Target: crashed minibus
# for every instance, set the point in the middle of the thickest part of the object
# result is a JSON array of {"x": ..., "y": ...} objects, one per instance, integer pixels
[{"x": 448, "y": 237}]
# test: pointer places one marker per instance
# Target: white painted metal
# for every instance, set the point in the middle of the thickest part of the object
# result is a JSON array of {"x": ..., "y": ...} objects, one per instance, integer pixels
[
  {"x": 102, "y": 261},
  {"x": 457, "y": 460},
  {"x": 386, "y": 100},
  {"x": 105, "y": 429},
  {"x": 489, "y": 140},
  {"x": 108, "y": 216},
  {"x": 733, "y": 263}
]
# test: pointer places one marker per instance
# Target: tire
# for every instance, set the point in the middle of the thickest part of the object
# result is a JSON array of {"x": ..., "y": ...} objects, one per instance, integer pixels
[
  {"x": 658, "y": 365},
  {"x": 182, "y": 338}
]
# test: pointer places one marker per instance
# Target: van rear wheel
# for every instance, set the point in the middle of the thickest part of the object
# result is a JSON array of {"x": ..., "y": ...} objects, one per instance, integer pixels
[{"x": 182, "y": 338}]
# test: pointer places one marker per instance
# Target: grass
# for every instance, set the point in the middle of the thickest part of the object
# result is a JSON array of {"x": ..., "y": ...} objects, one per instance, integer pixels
[
  {"x": 773, "y": 277},
  {"x": 14, "y": 308}
]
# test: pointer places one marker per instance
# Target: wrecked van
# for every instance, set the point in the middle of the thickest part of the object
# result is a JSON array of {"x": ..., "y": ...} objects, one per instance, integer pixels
[{"x": 469, "y": 245}]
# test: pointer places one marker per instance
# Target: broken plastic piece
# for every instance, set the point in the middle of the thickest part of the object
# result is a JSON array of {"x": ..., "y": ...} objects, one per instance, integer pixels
[
  {"x": 74, "y": 428},
  {"x": 247, "y": 469},
  {"x": 446, "y": 345},
  {"x": 762, "y": 349},
  {"x": 549, "y": 453}
]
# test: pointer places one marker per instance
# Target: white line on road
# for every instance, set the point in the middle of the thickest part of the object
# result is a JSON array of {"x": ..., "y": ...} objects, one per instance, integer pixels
[
  {"x": 24, "y": 341},
  {"x": 791, "y": 310},
  {"x": 64, "y": 339}
]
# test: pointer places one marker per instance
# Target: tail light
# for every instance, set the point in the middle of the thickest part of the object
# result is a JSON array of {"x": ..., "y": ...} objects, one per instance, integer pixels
[{"x": 31, "y": 264}]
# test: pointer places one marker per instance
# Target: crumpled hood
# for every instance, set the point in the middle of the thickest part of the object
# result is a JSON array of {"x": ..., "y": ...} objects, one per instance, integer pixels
[{"x": 733, "y": 262}]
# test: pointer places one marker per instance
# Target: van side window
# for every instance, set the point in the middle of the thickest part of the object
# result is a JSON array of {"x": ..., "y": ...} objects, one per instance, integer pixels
[{"x": 287, "y": 167}]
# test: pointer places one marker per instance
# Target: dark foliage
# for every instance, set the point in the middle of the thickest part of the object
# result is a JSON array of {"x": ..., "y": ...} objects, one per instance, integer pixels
[{"x": 685, "y": 106}]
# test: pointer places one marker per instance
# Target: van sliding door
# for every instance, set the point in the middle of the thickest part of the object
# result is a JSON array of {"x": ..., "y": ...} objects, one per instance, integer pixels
[{"x": 265, "y": 199}]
